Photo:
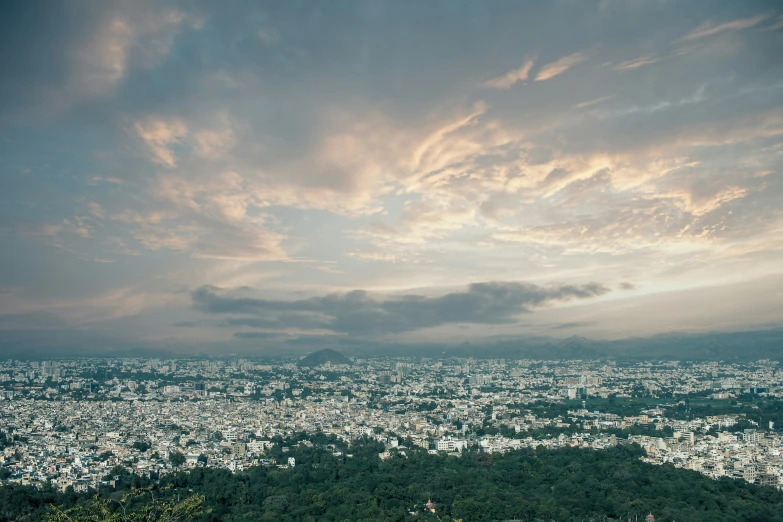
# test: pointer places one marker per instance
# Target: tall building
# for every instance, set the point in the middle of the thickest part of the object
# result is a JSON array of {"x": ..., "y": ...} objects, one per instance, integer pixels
[
  {"x": 50, "y": 369},
  {"x": 201, "y": 389},
  {"x": 480, "y": 380}
]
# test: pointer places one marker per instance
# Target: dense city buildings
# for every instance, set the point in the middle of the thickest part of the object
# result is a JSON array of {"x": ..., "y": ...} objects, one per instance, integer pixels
[{"x": 72, "y": 422}]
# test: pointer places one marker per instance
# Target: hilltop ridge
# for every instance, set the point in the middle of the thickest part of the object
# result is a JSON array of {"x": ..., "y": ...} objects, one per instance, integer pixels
[{"x": 324, "y": 356}]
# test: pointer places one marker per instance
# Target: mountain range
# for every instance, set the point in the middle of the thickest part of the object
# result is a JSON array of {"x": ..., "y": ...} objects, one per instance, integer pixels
[{"x": 742, "y": 345}]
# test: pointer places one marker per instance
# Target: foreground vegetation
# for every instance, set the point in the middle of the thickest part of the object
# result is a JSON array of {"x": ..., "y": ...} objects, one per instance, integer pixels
[{"x": 563, "y": 485}]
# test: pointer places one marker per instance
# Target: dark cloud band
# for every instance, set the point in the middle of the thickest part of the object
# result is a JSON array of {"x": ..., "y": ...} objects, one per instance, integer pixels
[{"x": 357, "y": 312}]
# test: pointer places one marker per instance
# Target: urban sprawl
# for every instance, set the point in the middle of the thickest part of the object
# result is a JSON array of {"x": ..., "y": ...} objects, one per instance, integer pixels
[{"x": 71, "y": 422}]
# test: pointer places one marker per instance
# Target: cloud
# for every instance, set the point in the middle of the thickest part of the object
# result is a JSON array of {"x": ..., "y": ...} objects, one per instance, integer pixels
[
  {"x": 256, "y": 335},
  {"x": 77, "y": 225},
  {"x": 101, "y": 62},
  {"x": 775, "y": 26},
  {"x": 506, "y": 81},
  {"x": 96, "y": 210},
  {"x": 560, "y": 66},
  {"x": 702, "y": 200},
  {"x": 374, "y": 255},
  {"x": 249, "y": 243},
  {"x": 87, "y": 58},
  {"x": 256, "y": 141},
  {"x": 212, "y": 239},
  {"x": 289, "y": 321},
  {"x": 156, "y": 236},
  {"x": 636, "y": 63},
  {"x": 159, "y": 136},
  {"x": 116, "y": 303},
  {"x": 709, "y": 29},
  {"x": 640, "y": 225},
  {"x": 340, "y": 161},
  {"x": 571, "y": 325},
  {"x": 358, "y": 312},
  {"x": 213, "y": 144},
  {"x": 627, "y": 286},
  {"x": 216, "y": 219},
  {"x": 422, "y": 220},
  {"x": 268, "y": 35},
  {"x": 590, "y": 103}
]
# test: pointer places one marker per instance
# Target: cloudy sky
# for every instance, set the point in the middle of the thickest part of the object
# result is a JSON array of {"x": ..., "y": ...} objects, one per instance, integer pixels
[{"x": 248, "y": 174}]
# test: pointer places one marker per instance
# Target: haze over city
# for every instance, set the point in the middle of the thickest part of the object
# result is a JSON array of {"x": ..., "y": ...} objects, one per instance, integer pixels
[{"x": 194, "y": 176}]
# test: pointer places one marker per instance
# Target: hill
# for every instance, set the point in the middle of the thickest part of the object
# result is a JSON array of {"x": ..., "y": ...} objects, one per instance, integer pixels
[{"x": 322, "y": 357}]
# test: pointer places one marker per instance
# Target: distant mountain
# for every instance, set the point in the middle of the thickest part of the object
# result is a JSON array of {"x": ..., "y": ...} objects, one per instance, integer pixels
[
  {"x": 747, "y": 345},
  {"x": 716, "y": 346},
  {"x": 324, "y": 356}
]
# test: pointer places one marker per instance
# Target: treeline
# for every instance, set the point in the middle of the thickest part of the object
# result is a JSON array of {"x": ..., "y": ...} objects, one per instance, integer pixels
[{"x": 541, "y": 485}]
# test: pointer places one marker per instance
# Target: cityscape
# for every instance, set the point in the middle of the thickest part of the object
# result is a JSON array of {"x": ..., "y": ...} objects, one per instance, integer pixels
[
  {"x": 391, "y": 261},
  {"x": 70, "y": 423}
]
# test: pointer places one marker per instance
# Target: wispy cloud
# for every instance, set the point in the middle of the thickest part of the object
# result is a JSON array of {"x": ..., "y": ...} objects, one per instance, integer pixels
[
  {"x": 709, "y": 29},
  {"x": 636, "y": 63},
  {"x": 775, "y": 26},
  {"x": 572, "y": 325},
  {"x": 506, "y": 81},
  {"x": 159, "y": 135},
  {"x": 102, "y": 62},
  {"x": 560, "y": 66},
  {"x": 268, "y": 35},
  {"x": 112, "y": 304},
  {"x": 374, "y": 255},
  {"x": 591, "y": 103}
]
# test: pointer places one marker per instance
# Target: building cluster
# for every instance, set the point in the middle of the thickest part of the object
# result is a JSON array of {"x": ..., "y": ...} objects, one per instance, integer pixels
[
  {"x": 78, "y": 423},
  {"x": 751, "y": 455}
]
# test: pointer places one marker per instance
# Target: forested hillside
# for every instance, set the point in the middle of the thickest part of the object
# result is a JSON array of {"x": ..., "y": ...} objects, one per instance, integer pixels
[{"x": 562, "y": 485}]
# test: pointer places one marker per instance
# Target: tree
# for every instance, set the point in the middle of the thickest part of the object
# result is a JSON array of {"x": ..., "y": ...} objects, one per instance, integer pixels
[
  {"x": 117, "y": 471},
  {"x": 176, "y": 458},
  {"x": 141, "y": 446},
  {"x": 110, "y": 510},
  {"x": 568, "y": 485}
]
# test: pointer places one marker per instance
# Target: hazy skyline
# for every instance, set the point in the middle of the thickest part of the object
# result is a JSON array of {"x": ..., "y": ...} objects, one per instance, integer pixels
[{"x": 249, "y": 174}]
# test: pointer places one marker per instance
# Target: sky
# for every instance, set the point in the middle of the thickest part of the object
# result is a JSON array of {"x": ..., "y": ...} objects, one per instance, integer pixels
[{"x": 240, "y": 175}]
